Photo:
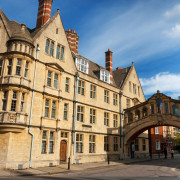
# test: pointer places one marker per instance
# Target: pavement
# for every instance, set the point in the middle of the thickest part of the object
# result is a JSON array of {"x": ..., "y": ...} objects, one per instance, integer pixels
[{"x": 63, "y": 168}]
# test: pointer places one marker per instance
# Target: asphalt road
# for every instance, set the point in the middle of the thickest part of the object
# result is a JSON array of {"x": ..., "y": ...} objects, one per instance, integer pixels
[{"x": 156, "y": 169}]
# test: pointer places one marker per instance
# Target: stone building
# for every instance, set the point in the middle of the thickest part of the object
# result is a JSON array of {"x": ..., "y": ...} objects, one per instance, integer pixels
[{"x": 55, "y": 103}]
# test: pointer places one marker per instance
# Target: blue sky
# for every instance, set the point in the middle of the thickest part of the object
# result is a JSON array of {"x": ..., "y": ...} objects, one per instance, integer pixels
[{"x": 144, "y": 31}]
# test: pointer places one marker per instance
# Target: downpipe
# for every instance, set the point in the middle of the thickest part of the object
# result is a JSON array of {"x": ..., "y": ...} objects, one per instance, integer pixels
[{"x": 32, "y": 101}]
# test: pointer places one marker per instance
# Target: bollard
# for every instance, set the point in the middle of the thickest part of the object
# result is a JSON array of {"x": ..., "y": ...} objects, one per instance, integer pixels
[
  {"x": 108, "y": 160},
  {"x": 69, "y": 163}
]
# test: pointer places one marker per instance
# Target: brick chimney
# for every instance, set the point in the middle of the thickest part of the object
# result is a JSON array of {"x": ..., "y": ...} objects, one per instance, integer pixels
[
  {"x": 44, "y": 12},
  {"x": 109, "y": 63},
  {"x": 73, "y": 40}
]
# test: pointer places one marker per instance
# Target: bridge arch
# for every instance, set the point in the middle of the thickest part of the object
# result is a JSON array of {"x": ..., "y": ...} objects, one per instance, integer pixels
[{"x": 159, "y": 110}]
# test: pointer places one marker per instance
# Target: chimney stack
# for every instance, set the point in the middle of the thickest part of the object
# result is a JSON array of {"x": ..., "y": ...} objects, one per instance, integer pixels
[
  {"x": 73, "y": 40},
  {"x": 109, "y": 63},
  {"x": 44, "y": 12}
]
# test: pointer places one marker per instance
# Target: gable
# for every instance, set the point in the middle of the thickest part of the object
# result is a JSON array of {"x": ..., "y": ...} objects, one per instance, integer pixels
[
  {"x": 133, "y": 79},
  {"x": 48, "y": 31}
]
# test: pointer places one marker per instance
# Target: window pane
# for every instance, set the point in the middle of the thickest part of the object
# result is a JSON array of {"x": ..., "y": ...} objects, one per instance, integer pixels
[
  {"x": 62, "y": 53},
  {"x": 52, "y": 49},
  {"x": 47, "y": 46},
  {"x": 58, "y": 52}
]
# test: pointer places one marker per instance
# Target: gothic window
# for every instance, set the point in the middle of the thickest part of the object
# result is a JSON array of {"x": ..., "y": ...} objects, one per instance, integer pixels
[
  {"x": 166, "y": 108},
  {"x": 152, "y": 108},
  {"x": 145, "y": 112},
  {"x": 159, "y": 106},
  {"x": 137, "y": 114},
  {"x": 175, "y": 110},
  {"x": 130, "y": 117}
]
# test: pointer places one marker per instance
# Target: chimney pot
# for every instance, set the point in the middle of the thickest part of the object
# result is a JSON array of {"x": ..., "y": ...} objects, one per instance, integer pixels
[{"x": 73, "y": 39}]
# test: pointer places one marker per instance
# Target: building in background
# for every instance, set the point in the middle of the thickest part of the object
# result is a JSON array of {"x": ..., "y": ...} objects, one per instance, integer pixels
[{"x": 57, "y": 104}]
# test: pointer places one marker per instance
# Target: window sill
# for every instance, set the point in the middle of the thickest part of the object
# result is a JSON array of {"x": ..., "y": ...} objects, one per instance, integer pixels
[
  {"x": 50, "y": 87},
  {"x": 54, "y": 119},
  {"x": 51, "y": 152},
  {"x": 44, "y": 153},
  {"x": 17, "y": 76}
]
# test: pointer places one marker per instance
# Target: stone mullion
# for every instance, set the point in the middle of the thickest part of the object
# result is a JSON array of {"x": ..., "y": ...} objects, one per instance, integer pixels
[
  {"x": 9, "y": 98},
  {"x": 23, "y": 67},
  {"x": 14, "y": 63},
  {"x": 50, "y": 107},
  {"x": 1, "y": 97},
  {"x": 18, "y": 101},
  {"x": 58, "y": 109},
  {"x": 4, "y": 70},
  {"x": 52, "y": 79}
]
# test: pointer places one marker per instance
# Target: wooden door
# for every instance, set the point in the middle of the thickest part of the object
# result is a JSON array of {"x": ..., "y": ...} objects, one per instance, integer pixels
[{"x": 63, "y": 148}]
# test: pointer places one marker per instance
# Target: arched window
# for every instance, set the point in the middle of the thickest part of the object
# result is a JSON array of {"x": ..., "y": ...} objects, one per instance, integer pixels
[
  {"x": 137, "y": 114},
  {"x": 159, "y": 105},
  {"x": 130, "y": 117},
  {"x": 152, "y": 108},
  {"x": 175, "y": 110},
  {"x": 145, "y": 113}
]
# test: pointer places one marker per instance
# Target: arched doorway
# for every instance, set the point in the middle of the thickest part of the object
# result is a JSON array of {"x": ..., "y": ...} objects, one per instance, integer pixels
[{"x": 63, "y": 149}]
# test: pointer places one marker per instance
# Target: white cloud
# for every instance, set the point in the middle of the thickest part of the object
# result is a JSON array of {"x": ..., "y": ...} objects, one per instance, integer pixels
[
  {"x": 174, "y": 13},
  {"x": 174, "y": 32},
  {"x": 165, "y": 82}
]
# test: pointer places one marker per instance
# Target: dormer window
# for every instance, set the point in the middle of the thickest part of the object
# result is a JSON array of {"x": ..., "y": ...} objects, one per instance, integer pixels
[
  {"x": 82, "y": 65},
  {"x": 105, "y": 75}
]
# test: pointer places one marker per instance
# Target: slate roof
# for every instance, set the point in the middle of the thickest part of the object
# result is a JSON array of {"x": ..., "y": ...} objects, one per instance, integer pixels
[
  {"x": 118, "y": 75},
  {"x": 14, "y": 29}
]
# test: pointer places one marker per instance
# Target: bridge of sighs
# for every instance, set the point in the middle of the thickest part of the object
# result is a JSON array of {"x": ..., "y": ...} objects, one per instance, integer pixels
[{"x": 159, "y": 110}]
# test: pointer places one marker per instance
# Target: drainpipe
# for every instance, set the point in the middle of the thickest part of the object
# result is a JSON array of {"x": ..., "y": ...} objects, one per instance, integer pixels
[
  {"x": 75, "y": 114},
  {"x": 120, "y": 109},
  {"x": 32, "y": 100}
]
